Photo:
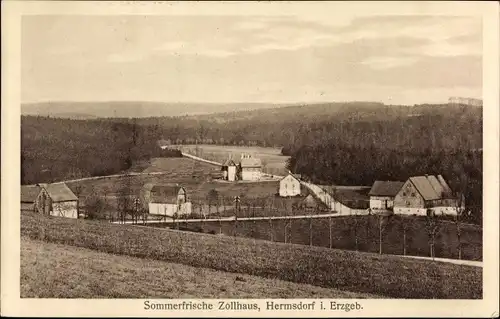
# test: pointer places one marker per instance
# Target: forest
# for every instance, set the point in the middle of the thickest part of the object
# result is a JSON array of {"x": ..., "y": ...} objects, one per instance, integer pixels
[
  {"x": 54, "y": 149},
  {"x": 349, "y": 144}
]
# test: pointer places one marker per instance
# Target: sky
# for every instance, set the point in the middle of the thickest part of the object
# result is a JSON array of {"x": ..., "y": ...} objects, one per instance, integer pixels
[{"x": 268, "y": 58}]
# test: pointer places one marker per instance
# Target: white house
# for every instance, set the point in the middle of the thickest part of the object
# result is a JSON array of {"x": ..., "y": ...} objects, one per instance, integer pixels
[
  {"x": 290, "y": 185},
  {"x": 421, "y": 195},
  {"x": 382, "y": 195},
  {"x": 50, "y": 199},
  {"x": 250, "y": 168},
  {"x": 165, "y": 200}
]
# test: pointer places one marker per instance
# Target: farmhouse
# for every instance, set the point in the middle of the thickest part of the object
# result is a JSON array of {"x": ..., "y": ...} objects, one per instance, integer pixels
[
  {"x": 165, "y": 200},
  {"x": 382, "y": 195},
  {"x": 422, "y": 194},
  {"x": 50, "y": 199},
  {"x": 229, "y": 169},
  {"x": 290, "y": 185},
  {"x": 250, "y": 168}
]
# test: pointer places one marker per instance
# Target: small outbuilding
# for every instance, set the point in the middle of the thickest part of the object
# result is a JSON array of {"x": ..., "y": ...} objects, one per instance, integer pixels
[{"x": 165, "y": 200}]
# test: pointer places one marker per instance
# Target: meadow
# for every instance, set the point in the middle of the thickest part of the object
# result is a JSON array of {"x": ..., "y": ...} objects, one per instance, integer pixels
[
  {"x": 193, "y": 175},
  {"x": 384, "y": 275},
  {"x": 59, "y": 271},
  {"x": 272, "y": 160},
  {"x": 345, "y": 230}
]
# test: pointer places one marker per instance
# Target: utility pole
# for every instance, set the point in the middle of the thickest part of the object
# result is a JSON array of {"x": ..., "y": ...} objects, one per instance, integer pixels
[{"x": 380, "y": 234}]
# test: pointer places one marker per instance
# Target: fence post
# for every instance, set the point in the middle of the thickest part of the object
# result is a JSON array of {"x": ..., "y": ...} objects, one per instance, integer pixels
[
  {"x": 310, "y": 231},
  {"x": 285, "y": 223},
  {"x": 330, "y": 229},
  {"x": 271, "y": 229}
]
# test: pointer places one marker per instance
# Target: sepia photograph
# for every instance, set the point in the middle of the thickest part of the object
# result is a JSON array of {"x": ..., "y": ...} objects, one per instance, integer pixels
[{"x": 293, "y": 162}]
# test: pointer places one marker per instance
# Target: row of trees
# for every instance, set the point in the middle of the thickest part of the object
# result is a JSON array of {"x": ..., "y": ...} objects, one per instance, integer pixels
[{"x": 356, "y": 227}]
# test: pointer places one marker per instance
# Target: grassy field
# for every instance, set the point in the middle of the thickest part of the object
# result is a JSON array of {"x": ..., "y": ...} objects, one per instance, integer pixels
[
  {"x": 272, "y": 160},
  {"x": 58, "y": 271},
  {"x": 317, "y": 232},
  {"x": 191, "y": 174},
  {"x": 383, "y": 275}
]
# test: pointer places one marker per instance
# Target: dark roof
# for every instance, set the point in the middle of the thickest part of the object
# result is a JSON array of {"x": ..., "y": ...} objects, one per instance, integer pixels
[
  {"x": 60, "y": 192},
  {"x": 355, "y": 197},
  {"x": 229, "y": 162},
  {"x": 166, "y": 194},
  {"x": 431, "y": 187},
  {"x": 311, "y": 201},
  {"x": 29, "y": 193},
  {"x": 250, "y": 162},
  {"x": 385, "y": 188}
]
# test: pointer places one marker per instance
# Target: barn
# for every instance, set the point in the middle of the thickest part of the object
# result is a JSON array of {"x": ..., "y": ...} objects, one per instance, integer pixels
[
  {"x": 290, "y": 185},
  {"x": 382, "y": 195},
  {"x": 421, "y": 195},
  {"x": 250, "y": 168},
  {"x": 50, "y": 199},
  {"x": 165, "y": 200}
]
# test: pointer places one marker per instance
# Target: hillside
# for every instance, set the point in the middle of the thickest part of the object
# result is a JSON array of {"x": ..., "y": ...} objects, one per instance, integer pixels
[
  {"x": 114, "y": 276},
  {"x": 329, "y": 268},
  {"x": 354, "y": 233}
]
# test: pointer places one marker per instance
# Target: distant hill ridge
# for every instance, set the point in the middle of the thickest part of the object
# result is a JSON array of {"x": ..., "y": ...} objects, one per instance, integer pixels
[{"x": 144, "y": 109}]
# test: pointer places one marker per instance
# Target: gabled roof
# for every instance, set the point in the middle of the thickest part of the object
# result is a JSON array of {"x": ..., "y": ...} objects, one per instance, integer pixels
[
  {"x": 431, "y": 187},
  {"x": 296, "y": 176},
  {"x": 165, "y": 194},
  {"x": 385, "y": 188},
  {"x": 251, "y": 162},
  {"x": 229, "y": 162},
  {"x": 29, "y": 193},
  {"x": 60, "y": 192},
  {"x": 310, "y": 201}
]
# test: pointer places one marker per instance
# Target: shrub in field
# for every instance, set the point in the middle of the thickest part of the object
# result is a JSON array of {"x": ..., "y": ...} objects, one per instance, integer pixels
[{"x": 384, "y": 275}]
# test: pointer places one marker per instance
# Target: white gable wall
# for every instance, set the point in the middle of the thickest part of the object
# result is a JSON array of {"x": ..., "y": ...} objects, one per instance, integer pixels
[
  {"x": 289, "y": 186},
  {"x": 65, "y": 209}
]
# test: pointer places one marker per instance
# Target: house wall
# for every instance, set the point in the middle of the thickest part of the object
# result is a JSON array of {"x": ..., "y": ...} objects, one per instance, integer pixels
[
  {"x": 420, "y": 211},
  {"x": 408, "y": 197},
  {"x": 43, "y": 203},
  {"x": 231, "y": 173},
  {"x": 169, "y": 209},
  {"x": 381, "y": 202},
  {"x": 65, "y": 209},
  {"x": 250, "y": 174},
  {"x": 289, "y": 186},
  {"x": 444, "y": 210}
]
